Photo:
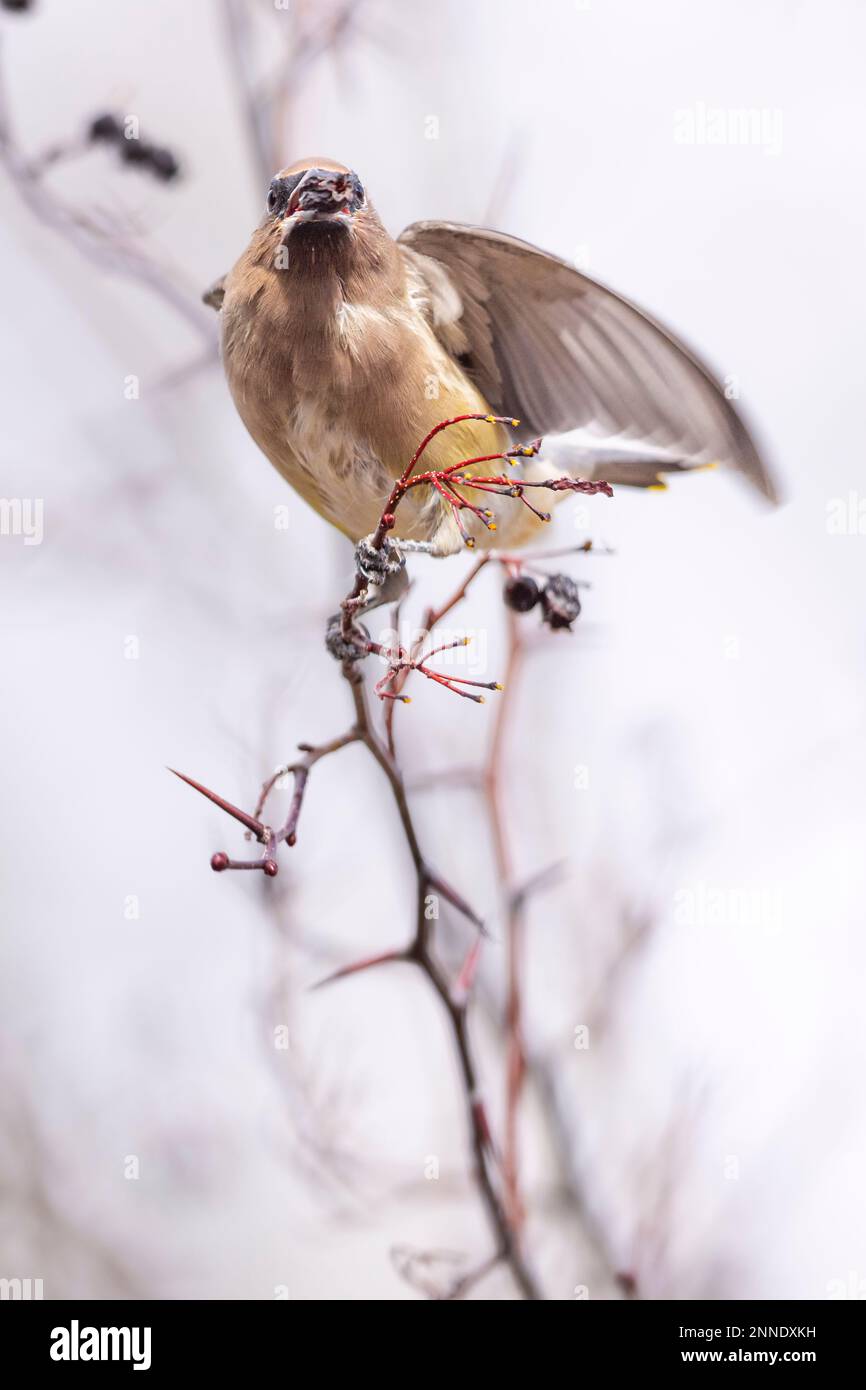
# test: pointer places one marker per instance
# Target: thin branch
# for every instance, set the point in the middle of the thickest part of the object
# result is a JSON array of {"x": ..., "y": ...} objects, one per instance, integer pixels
[
  {"x": 492, "y": 783},
  {"x": 454, "y": 1001}
]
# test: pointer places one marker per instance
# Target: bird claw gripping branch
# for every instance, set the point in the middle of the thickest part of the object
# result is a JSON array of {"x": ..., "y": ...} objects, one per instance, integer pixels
[{"x": 378, "y": 562}]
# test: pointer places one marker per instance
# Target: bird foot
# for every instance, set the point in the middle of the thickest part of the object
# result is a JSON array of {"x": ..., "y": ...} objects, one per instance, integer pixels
[
  {"x": 383, "y": 569},
  {"x": 378, "y": 563}
]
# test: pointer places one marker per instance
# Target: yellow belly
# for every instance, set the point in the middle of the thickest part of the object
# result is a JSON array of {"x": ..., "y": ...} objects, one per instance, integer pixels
[{"x": 343, "y": 446}]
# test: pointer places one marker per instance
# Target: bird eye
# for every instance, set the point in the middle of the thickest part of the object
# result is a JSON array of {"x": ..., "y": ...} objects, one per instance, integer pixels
[{"x": 273, "y": 198}]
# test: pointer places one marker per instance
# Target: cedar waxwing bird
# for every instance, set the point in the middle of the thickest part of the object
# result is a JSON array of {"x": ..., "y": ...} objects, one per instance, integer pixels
[{"x": 343, "y": 348}]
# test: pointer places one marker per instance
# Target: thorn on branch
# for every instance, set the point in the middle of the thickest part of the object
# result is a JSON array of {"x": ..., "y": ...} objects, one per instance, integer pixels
[
  {"x": 369, "y": 962},
  {"x": 438, "y": 885},
  {"x": 462, "y": 987},
  {"x": 539, "y": 882},
  {"x": 260, "y": 831}
]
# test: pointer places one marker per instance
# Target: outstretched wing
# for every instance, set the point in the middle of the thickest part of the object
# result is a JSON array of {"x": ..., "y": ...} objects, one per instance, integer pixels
[{"x": 563, "y": 352}]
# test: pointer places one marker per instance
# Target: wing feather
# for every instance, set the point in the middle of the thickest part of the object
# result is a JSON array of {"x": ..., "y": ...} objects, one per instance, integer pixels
[{"x": 563, "y": 352}]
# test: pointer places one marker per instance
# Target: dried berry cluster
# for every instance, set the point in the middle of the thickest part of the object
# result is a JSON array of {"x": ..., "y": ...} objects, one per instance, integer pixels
[
  {"x": 153, "y": 159},
  {"x": 558, "y": 598}
]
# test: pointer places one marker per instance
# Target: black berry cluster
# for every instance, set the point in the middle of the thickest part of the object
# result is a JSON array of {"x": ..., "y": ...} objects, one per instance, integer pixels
[
  {"x": 153, "y": 159},
  {"x": 559, "y": 598}
]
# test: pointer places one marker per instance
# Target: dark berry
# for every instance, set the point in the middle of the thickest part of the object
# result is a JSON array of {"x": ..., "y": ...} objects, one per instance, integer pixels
[
  {"x": 135, "y": 151},
  {"x": 219, "y": 862},
  {"x": 521, "y": 593},
  {"x": 163, "y": 163},
  {"x": 105, "y": 127},
  {"x": 271, "y": 868},
  {"x": 560, "y": 601}
]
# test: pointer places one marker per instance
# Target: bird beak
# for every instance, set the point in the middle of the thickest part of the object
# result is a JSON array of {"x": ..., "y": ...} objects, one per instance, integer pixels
[{"x": 324, "y": 196}]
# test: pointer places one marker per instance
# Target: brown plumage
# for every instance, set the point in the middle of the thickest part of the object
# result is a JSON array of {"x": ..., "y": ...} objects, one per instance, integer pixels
[{"x": 343, "y": 347}]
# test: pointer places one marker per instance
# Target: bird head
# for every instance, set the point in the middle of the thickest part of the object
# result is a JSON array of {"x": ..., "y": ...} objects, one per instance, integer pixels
[{"x": 317, "y": 213}]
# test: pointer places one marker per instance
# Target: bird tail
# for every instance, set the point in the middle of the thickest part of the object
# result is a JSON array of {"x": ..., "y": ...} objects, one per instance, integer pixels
[
  {"x": 519, "y": 522},
  {"x": 638, "y": 465},
  {"x": 629, "y": 465}
]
